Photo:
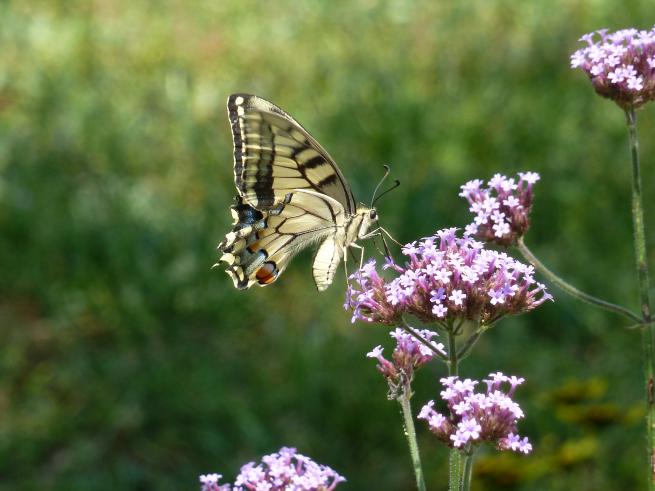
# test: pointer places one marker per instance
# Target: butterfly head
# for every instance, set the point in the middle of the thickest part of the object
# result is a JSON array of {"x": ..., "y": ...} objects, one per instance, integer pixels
[{"x": 367, "y": 218}]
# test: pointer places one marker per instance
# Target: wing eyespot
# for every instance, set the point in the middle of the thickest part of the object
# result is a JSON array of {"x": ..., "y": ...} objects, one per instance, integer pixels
[{"x": 267, "y": 274}]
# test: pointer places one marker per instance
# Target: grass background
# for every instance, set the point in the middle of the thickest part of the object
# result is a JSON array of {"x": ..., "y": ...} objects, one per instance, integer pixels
[{"x": 127, "y": 363}]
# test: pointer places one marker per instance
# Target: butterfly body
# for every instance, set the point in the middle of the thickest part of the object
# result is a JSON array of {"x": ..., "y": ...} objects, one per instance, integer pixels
[{"x": 291, "y": 195}]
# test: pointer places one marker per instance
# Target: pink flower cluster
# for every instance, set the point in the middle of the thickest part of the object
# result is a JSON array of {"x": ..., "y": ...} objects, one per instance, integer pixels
[
  {"x": 474, "y": 418},
  {"x": 445, "y": 278},
  {"x": 408, "y": 355},
  {"x": 502, "y": 209},
  {"x": 285, "y": 470},
  {"x": 621, "y": 65}
]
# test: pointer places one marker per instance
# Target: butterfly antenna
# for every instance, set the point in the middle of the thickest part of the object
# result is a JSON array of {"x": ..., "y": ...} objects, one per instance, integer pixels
[
  {"x": 387, "y": 169},
  {"x": 395, "y": 185}
]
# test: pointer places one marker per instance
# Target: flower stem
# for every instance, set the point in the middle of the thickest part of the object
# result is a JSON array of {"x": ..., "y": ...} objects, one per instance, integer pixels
[
  {"x": 455, "y": 457},
  {"x": 453, "y": 361},
  {"x": 422, "y": 340},
  {"x": 465, "y": 350},
  {"x": 570, "y": 289},
  {"x": 641, "y": 260},
  {"x": 410, "y": 433},
  {"x": 468, "y": 471}
]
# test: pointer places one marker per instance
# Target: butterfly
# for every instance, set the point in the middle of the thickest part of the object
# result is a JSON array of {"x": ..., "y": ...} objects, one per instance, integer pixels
[{"x": 291, "y": 194}]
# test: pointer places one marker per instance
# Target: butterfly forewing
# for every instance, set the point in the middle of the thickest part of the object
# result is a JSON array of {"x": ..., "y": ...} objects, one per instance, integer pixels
[{"x": 274, "y": 154}]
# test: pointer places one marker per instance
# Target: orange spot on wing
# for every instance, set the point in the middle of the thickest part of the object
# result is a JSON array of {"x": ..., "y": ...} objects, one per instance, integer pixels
[
  {"x": 254, "y": 247},
  {"x": 267, "y": 273}
]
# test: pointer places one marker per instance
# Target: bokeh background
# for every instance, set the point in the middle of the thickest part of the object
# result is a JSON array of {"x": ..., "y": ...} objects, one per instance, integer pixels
[{"x": 127, "y": 363}]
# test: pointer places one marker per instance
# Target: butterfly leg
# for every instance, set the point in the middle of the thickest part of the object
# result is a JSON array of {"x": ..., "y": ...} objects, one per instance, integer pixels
[
  {"x": 387, "y": 251},
  {"x": 346, "y": 251},
  {"x": 345, "y": 257},
  {"x": 361, "y": 258},
  {"x": 380, "y": 231},
  {"x": 386, "y": 232},
  {"x": 383, "y": 253},
  {"x": 352, "y": 256}
]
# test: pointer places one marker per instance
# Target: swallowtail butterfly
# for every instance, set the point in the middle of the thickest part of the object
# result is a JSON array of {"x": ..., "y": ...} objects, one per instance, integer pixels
[{"x": 291, "y": 194}]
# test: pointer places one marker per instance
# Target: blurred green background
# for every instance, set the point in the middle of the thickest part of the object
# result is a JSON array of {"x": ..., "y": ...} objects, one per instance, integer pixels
[{"x": 127, "y": 363}]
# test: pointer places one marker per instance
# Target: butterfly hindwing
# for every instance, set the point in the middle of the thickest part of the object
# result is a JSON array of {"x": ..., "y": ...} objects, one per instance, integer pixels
[
  {"x": 262, "y": 243},
  {"x": 274, "y": 155}
]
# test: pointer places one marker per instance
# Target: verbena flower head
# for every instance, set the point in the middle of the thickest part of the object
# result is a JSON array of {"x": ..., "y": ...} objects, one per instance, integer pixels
[
  {"x": 473, "y": 417},
  {"x": 408, "y": 355},
  {"x": 502, "y": 209},
  {"x": 621, "y": 65},
  {"x": 445, "y": 278},
  {"x": 285, "y": 470}
]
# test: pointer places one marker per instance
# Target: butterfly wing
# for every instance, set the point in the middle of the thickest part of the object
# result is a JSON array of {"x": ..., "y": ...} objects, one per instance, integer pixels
[
  {"x": 262, "y": 243},
  {"x": 274, "y": 155}
]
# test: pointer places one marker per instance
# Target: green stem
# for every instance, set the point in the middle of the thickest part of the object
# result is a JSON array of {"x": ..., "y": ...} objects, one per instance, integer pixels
[
  {"x": 641, "y": 325},
  {"x": 470, "y": 342},
  {"x": 455, "y": 457},
  {"x": 642, "y": 275},
  {"x": 453, "y": 361},
  {"x": 422, "y": 340},
  {"x": 468, "y": 471},
  {"x": 410, "y": 433},
  {"x": 570, "y": 289},
  {"x": 455, "y": 470}
]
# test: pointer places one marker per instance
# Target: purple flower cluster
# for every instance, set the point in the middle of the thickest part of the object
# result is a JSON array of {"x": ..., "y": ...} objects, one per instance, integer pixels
[
  {"x": 621, "y": 65},
  {"x": 445, "y": 278},
  {"x": 408, "y": 355},
  {"x": 285, "y": 470},
  {"x": 502, "y": 209},
  {"x": 474, "y": 418}
]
